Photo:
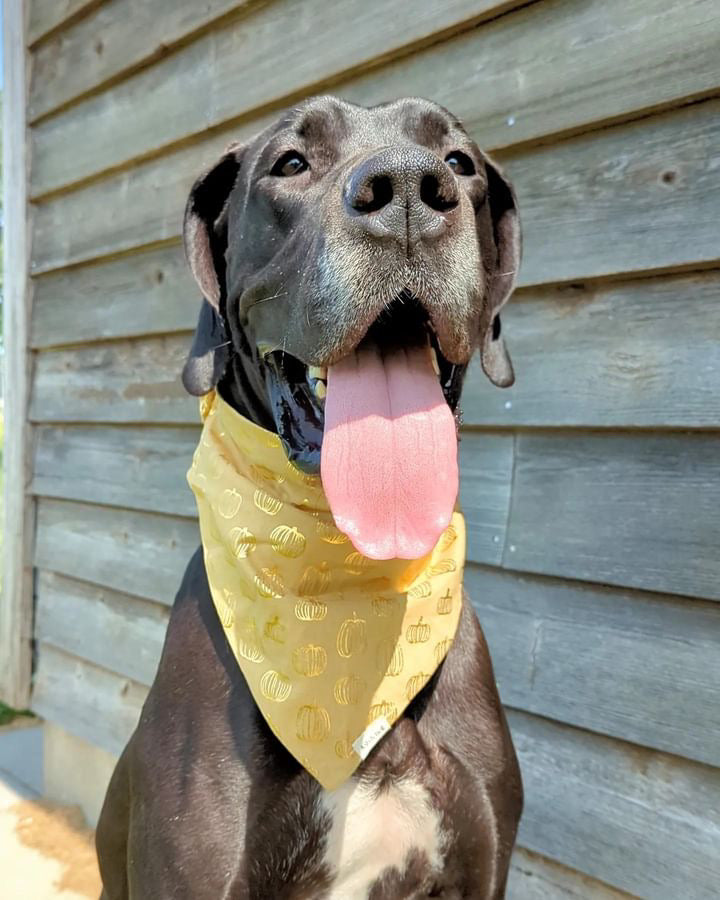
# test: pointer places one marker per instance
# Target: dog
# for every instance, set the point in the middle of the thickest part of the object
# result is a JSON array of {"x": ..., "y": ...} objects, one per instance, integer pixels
[{"x": 336, "y": 225}]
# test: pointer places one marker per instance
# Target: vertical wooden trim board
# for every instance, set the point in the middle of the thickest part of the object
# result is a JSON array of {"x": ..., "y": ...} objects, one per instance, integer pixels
[{"x": 16, "y": 602}]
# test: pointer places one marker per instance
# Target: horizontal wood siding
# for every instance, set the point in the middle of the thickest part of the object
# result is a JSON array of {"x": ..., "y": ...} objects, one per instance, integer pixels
[{"x": 591, "y": 488}]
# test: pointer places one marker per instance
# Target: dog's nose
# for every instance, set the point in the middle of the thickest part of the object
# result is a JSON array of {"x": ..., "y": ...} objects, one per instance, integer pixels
[{"x": 406, "y": 193}]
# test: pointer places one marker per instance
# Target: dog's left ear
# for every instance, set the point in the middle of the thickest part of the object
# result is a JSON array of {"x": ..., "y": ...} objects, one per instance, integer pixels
[
  {"x": 208, "y": 354},
  {"x": 501, "y": 274},
  {"x": 205, "y": 225}
]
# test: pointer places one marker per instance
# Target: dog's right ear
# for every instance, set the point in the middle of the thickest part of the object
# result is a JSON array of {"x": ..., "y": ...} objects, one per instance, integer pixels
[{"x": 205, "y": 226}]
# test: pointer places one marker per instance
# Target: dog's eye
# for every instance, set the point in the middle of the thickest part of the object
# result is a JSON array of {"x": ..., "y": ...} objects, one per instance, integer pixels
[
  {"x": 460, "y": 163},
  {"x": 289, "y": 164}
]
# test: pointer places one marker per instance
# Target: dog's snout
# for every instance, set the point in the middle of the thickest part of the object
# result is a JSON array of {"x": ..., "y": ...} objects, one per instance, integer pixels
[{"x": 406, "y": 193}]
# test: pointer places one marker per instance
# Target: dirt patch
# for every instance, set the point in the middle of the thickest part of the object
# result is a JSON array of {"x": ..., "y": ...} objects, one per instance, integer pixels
[{"x": 61, "y": 834}]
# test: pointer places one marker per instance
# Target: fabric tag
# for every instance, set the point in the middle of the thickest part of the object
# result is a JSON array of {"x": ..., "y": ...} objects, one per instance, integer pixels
[{"x": 372, "y": 734}]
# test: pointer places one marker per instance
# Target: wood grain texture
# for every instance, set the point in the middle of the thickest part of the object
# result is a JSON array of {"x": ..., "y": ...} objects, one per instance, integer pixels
[
  {"x": 591, "y": 206},
  {"x": 144, "y": 468},
  {"x": 233, "y": 70},
  {"x": 139, "y": 468},
  {"x": 18, "y": 509},
  {"x": 631, "y": 665},
  {"x": 645, "y": 822},
  {"x": 543, "y": 70},
  {"x": 139, "y": 553},
  {"x": 151, "y": 292},
  {"x": 116, "y": 631},
  {"x": 45, "y": 16},
  {"x": 560, "y": 66},
  {"x": 118, "y": 36},
  {"x": 486, "y": 467},
  {"x": 643, "y": 354},
  {"x": 639, "y": 196},
  {"x": 532, "y": 877},
  {"x": 636, "y": 354},
  {"x": 633, "y": 510},
  {"x": 133, "y": 381},
  {"x": 86, "y": 700}
]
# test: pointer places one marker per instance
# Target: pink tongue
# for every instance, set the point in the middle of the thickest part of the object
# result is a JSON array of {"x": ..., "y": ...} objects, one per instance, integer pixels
[{"x": 389, "y": 453}]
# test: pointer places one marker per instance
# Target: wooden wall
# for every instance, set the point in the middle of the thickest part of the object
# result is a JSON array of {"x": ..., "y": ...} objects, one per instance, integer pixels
[{"x": 592, "y": 487}]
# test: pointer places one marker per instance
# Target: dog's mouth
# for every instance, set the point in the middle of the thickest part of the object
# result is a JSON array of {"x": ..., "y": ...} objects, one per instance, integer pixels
[{"x": 379, "y": 426}]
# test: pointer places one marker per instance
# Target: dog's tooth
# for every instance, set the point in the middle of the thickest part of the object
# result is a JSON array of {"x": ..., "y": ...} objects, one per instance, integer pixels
[
  {"x": 434, "y": 361},
  {"x": 318, "y": 372},
  {"x": 320, "y": 389}
]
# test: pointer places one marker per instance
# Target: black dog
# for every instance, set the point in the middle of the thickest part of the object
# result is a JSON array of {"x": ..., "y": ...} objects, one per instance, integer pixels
[{"x": 335, "y": 224}]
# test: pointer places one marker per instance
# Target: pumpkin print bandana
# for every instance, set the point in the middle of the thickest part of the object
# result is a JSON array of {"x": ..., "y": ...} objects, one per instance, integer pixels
[{"x": 333, "y": 645}]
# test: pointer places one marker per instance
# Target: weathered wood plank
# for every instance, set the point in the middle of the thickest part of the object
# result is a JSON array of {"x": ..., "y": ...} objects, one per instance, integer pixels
[
  {"x": 594, "y": 205},
  {"x": 139, "y": 468},
  {"x": 635, "y": 197},
  {"x": 151, "y": 292},
  {"x": 46, "y": 15},
  {"x": 134, "y": 381},
  {"x": 192, "y": 90},
  {"x": 116, "y": 37},
  {"x": 90, "y": 702},
  {"x": 486, "y": 467},
  {"x": 138, "y": 553},
  {"x": 642, "y": 821},
  {"x": 634, "y": 354},
  {"x": 631, "y": 665},
  {"x": 544, "y": 70},
  {"x": 633, "y": 510},
  {"x": 532, "y": 877},
  {"x": 18, "y": 510},
  {"x": 639, "y": 354},
  {"x": 115, "y": 631}
]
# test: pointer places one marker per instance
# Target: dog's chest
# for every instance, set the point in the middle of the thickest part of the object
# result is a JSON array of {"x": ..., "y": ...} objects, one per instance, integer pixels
[{"x": 374, "y": 832}]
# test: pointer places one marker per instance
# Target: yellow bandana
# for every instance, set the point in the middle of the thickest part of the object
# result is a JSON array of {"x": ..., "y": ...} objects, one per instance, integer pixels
[{"x": 333, "y": 645}]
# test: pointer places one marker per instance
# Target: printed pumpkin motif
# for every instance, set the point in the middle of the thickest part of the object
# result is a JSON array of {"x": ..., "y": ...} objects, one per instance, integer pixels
[
  {"x": 269, "y": 584},
  {"x": 351, "y": 637},
  {"x": 356, "y": 563},
  {"x": 384, "y": 708},
  {"x": 420, "y": 591},
  {"x": 389, "y": 658},
  {"x": 310, "y": 660},
  {"x": 287, "y": 541},
  {"x": 229, "y": 503},
  {"x": 344, "y": 749},
  {"x": 242, "y": 541},
  {"x": 348, "y": 690},
  {"x": 383, "y": 606},
  {"x": 444, "y": 567},
  {"x": 248, "y": 645},
  {"x": 448, "y": 538},
  {"x": 415, "y": 684},
  {"x": 227, "y": 610},
  {"x": 310, "y": 610},
  {"x": 274, "y": 630},
  {"x": 441, "y": 649},
  {"x": 445, "y": 604},
  {"x": 275, "y": 686},
  {"x": 315, "y": 581},
  {"x": 266, "y": 503},
  {"x": 418, "y": 633},
  {"x": 262, "y": 473},
  {"x": 312, "y": 723},
  {"x": 329, "y": 533}
]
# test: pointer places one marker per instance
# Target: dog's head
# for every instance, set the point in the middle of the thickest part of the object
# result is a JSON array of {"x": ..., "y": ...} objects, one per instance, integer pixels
[{"x": 341, "y": 228}]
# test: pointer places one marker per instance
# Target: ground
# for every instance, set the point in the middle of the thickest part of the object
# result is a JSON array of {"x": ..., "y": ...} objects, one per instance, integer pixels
[{"x": 46, "y": 852}]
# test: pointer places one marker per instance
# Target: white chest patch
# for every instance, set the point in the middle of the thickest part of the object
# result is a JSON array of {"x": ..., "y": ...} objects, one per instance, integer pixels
[{"x": 371, "y": 832}]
